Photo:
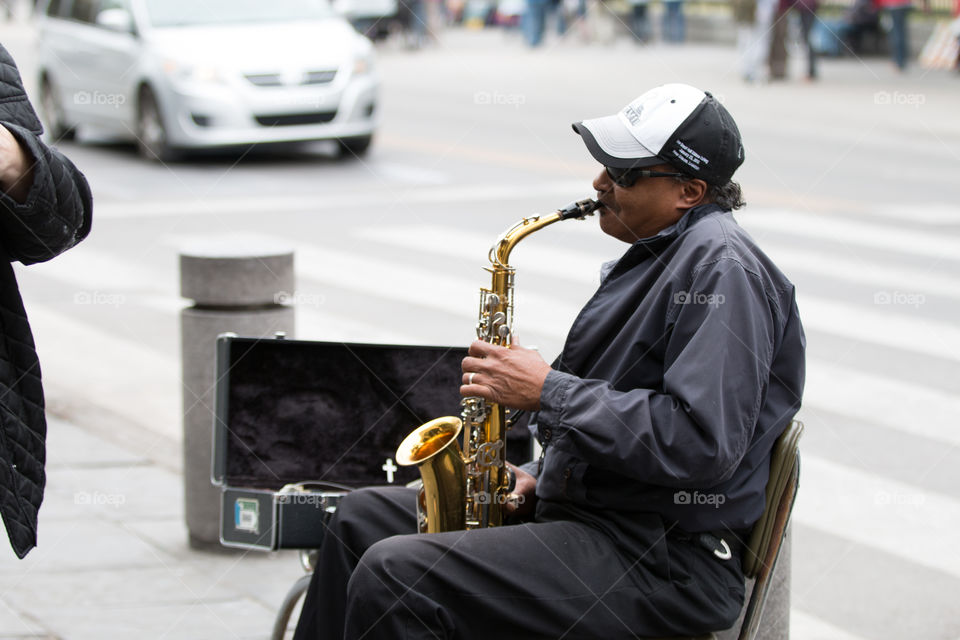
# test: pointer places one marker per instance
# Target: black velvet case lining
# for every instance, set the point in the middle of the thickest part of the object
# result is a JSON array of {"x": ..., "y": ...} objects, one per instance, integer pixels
[{"x": 319, "y": 411}]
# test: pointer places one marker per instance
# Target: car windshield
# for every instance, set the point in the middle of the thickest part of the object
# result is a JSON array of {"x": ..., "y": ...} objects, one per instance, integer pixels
[{"x": 183, "y": 13}]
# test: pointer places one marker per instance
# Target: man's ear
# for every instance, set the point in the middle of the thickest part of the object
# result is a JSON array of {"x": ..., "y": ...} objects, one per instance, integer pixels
[{"x": 692, "y": 193}]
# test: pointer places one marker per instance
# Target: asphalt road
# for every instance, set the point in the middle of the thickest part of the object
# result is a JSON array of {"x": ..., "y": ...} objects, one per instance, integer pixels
[{"x": 851, "y": 184}]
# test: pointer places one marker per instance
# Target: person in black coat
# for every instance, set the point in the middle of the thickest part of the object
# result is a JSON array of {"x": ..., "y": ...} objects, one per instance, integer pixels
[{"x": 45, "y": 208}]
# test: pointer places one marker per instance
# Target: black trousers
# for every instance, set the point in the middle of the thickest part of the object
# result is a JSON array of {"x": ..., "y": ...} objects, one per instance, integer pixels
[{"x": 553, "y": 578}]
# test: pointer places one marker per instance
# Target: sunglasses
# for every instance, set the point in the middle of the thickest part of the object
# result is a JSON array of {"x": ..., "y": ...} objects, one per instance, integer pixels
[{"x": 626, "y": 178}]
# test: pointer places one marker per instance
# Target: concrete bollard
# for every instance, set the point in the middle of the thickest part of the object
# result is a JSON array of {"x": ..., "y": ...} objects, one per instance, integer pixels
[{"x": 237, "y": 284}]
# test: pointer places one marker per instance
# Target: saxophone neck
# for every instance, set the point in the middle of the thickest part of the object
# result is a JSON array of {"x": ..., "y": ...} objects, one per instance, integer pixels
[{"x": 500, "y": 251}]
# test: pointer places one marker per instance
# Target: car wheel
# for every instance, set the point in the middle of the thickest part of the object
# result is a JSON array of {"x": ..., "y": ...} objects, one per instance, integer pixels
[
  {"x": 152, "y": 141},
  {"x": 52, "y": 114},
  {"x": 355, "y": 146}
]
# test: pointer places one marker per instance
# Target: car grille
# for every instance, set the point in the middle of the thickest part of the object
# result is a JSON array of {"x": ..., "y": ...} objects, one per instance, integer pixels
[
  {"x": 293, "y": 119},
  {"x": 265, "y": 79},
  {"x": 320, "y": 76}
]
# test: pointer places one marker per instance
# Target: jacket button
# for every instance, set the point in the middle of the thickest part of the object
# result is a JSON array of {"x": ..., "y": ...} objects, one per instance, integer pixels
[{"x": 547, "y": 434}]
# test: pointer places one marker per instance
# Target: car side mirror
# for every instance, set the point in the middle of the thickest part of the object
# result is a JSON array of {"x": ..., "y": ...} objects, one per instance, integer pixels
[{"x": 115, "y": 20}]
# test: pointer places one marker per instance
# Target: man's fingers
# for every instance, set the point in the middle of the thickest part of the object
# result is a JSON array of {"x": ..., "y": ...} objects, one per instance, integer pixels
[{"x": 481, "y": 349}]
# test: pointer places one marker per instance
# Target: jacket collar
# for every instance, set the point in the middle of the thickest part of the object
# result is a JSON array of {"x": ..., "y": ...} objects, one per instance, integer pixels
[
  {"x": 653, "y": 245},
  {"x": 690, "y": 218}
]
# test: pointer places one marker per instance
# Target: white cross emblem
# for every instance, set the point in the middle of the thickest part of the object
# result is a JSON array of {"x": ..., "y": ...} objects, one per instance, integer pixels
[{"x": 390, "y": 468}]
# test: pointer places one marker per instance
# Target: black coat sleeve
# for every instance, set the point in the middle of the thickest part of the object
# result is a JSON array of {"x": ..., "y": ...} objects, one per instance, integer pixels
[{"x": 57, "y": 213}]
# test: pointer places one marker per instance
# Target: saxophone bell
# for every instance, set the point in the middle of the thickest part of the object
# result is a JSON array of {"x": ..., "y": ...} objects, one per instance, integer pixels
[{"x": 434, "y": 449}]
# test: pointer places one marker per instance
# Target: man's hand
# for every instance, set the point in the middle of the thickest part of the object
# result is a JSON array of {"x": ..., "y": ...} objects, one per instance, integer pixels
[
  {"x": 525, "y": 491},
  {"x": 512, "y": 377},
  {"x": 16, "y": 167}
]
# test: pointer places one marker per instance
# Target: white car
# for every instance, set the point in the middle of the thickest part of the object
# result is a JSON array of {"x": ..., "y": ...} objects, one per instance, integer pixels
[{"x": 176, "y": 75}]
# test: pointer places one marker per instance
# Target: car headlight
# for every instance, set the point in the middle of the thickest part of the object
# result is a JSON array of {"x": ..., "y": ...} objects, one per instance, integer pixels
[
  {"x": 185, "y": 72},
  {"x": 362, "y": 65}
]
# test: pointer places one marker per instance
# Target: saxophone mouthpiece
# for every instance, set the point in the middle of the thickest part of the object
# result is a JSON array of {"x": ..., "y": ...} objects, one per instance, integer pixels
[{"x": 579, "y": 209}]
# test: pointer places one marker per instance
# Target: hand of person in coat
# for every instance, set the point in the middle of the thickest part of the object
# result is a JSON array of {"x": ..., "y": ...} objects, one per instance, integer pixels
[
  {"x": 16, "y": 167},
  {"x": 512, "y": 377}
]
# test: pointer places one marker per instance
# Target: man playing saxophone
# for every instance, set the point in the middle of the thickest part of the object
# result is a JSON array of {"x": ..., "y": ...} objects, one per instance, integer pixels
[{"x": 656, "y": 423}]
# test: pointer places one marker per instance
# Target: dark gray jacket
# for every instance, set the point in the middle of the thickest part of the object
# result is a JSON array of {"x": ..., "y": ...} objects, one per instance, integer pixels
[
  {"x": 675, "y": 380},
  {"x": 55, "y": 216}
]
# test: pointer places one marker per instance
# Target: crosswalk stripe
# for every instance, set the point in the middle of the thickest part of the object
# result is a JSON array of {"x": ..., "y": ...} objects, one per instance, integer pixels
[
  {"x": 880, "y": 317},
  {"x": 92, "y": 269},
  {"x": 449, "y": 242},
  {"x": 927, "y": 213},
  {"x": 879, "y": 513},
  {"x": 855, "y": 233},
  {"x": 421, "y": 287},
  {"x": 893, "y": 282},
  {"x": 804, "y": 626},
  {"x": 395, "y": 196},
  {"x": 882, "y": 326},
  {"x": 885, "y": 279},
  {"x": 87, "y": 362},
  {"x": 909, "y": 408},
  {"x": 885, "y": 323},
  {"x": 332, "y": 327}
]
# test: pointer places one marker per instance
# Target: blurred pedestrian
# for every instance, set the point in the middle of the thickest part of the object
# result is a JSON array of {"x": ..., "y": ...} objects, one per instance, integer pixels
[
  {"x": 956, "y": 31},
  {"x": 778, "y": 42},
  {"x": 640, "y": 21},
  {"x": 859, "y": 20},
  {"x": 674, "y": 22},
  {"x": 415, "y": 30},
  {"x": 573, "y": 15},
  {"x": 899, "y": 12},
  {"x": 534, "y": 20},
  {"x": 754, "y": 38},
  {"x": 806, "y": 10},
  {"x": 45, "y": 208}
]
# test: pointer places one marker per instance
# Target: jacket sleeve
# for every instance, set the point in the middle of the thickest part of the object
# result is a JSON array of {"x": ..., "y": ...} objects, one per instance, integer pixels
[
  {"x": 695, "y": 430},
  {"x": 57, "y": 212}
]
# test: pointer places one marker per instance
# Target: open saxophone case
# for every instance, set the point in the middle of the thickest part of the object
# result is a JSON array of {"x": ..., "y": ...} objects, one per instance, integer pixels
[{"x": 299, "y": 423}]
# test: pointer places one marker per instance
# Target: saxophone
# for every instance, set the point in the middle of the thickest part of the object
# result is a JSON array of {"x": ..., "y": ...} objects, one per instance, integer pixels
[{"x": 466, "y": 487}]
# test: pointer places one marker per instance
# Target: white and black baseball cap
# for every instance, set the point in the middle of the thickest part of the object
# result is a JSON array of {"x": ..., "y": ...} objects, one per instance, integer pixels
[{"x": 674, "y": 123}]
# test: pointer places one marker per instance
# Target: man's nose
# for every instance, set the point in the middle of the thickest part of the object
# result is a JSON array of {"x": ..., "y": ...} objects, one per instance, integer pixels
[{"x": 602, "y": 181}]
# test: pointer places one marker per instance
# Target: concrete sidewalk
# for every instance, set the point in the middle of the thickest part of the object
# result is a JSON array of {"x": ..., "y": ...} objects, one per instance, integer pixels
[{"x": 113, "y": 546}]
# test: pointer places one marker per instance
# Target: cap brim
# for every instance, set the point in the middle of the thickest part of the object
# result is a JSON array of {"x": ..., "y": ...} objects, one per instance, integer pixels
[{"x": 612, "y": 145}]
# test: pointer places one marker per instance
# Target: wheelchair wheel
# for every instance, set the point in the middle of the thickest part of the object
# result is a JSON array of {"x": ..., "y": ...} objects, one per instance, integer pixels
[{"x": 289, "y": 604}]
